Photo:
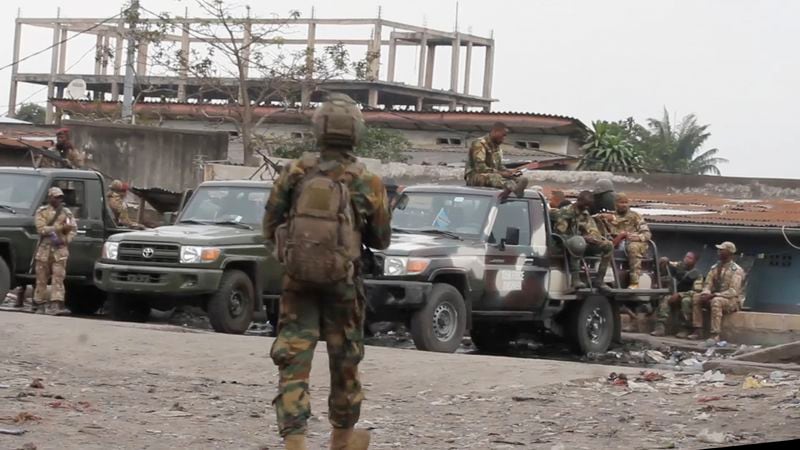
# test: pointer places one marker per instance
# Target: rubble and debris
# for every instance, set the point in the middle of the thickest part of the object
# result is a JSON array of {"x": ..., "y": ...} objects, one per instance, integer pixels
[
  {"x": 654, "y": 357},
  {"x": 752, "y": 383},
  {"x": 712, "y": 376},
  {"x": 37, "y": 383},
  {"x": 12, "y": 431},
  {"x": 712, "y": 438},
  {"x": 618, "y": 379},
  {"x": 650, "y": 376}
]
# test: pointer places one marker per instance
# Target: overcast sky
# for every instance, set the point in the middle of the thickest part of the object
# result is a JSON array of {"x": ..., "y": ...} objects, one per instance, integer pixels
[{"x": 734, "y": 63}]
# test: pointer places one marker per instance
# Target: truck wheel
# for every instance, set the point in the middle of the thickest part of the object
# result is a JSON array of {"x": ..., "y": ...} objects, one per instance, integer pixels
[
  {"x": 440, "y": 324},
  {"x": 5, "y": 280},
  {"x": 230, "y": 309},
  {"x": 84, "y": 300},
  {"x": 491, "y": 339},
  {"x": 128, "y": 308},
  {"x": 591, "y": 325}
]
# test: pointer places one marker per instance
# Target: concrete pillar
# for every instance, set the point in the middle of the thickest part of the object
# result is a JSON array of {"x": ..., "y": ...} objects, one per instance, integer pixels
[
  {"x": 372, "y": 99},
  {"x": 423, "y": 46},
  {"x": 455, "y": 63},
  {"x": 392, "y": 58},
  {"x": 183, "y": 72},
  {"x": 467, "y": 67},
  {"x": 247, "y": 43},
  {"x": 307, "y": 90},
  {"x": 488, "y": 69},
  {"x": 375, "y": 53},
  {"x": 141, "y": 60},
  {"x": 104, "y": 61},
  {"x": 429, "y": 65},
  {"x": 118, "y": 57},
  {"x": 62, "y": 58},
  {"x": 98, "y": 49},
  {"x": 51, "y": 91},
  {"x": 419, "y": 104},
  {"x": 12, "y": 93}
]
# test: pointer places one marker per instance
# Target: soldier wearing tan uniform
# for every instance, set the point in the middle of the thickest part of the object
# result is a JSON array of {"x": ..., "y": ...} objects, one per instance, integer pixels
[
  {"x": 115, "y": 198},
  {"x": 75, "y": 158},
  {"x": 56, "y": 228},
  {"x": 722, "y": 291},
  {"x": 629, "y": 226}
]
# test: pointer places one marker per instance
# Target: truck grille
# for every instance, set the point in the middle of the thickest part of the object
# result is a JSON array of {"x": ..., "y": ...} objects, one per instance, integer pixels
[
  {"x": 134, "y": 277},
  {"x": 161, "y": 253}
]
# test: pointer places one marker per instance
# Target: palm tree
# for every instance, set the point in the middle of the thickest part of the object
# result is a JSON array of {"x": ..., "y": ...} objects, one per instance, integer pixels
[
  {"x": 608, "y": 149},
  {"x": 680, "y": 149}
]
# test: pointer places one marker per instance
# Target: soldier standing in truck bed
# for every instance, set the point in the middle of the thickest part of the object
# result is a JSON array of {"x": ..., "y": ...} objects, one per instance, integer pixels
[{"x": 485, "y": 164}]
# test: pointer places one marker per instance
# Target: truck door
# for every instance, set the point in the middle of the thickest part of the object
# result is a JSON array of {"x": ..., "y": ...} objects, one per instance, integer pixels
[
  {"x": 510, "y": 281},
  {"x": 84, "y": 250}
]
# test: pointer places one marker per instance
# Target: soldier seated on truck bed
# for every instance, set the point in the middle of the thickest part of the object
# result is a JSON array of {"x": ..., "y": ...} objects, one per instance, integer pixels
[
  {"x": 575, "y": 220},
  {"x": 485, "y": 164}
]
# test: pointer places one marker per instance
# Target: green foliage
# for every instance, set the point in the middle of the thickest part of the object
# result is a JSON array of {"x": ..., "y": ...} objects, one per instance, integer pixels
[
  {"x": 679, "y": 149},
  {"x": 377, "y": 143},
  {"x": 609, "y": 148},
  {"x": 31, "y": 112}
]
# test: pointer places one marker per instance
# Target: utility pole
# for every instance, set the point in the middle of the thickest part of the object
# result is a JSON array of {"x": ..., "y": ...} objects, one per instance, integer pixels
[{"x": 127, "y": 87}]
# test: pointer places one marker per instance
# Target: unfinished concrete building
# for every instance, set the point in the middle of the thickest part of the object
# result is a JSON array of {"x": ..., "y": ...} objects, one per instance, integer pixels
[{"x": 378, "y": 88}]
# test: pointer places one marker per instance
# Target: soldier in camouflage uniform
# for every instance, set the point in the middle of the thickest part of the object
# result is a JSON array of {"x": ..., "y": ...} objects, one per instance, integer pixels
[
  {"x": 629, "y": 226},
  {"x": 688, "y": 282},
  {"x": 336, "y": 312},
  {"x": 56, "y": 227},
  {"x": 722, "y": 291},
  {"x": 575, "y": 220},
  {"x": 74, "y": 157},
  {"x": 115, "y": 198},
  {"x": 485, "y": 164}
]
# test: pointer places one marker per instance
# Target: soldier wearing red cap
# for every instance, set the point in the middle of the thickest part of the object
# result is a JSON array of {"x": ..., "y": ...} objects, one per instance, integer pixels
[
  {"x": 116, "y": 203},
  {"x": 66, "y": 150}
]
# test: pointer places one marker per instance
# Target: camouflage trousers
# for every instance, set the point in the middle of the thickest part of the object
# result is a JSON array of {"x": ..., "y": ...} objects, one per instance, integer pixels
[
  {"x": 336, "y": 315},
  {"x": 51, "y": 265},
  {"x": 494, "y": 180},
  {"x": 718, "y": 306},
  {"x": 604, "y": 249},
  {"x": 636, "y": 251},
  {"x": 665, "y": 314}
]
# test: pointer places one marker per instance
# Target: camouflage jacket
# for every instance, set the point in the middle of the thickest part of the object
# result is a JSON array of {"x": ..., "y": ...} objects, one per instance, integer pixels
[
  {"x": 44, "y": 215},
  {"x": 116, "y": 203},
  {"x": 367, "y": 193},
  {"x": 75, "y": 157},
  {"x": 725, "y": 280},
  {"x": 484, "y": 157},
  {"x": 633, "y": 224},
  {"x": 570, "y": 221}
]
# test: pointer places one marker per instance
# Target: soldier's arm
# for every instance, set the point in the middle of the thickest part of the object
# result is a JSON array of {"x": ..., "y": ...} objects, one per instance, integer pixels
[
  {"x": 562, "y": 222},
  {"x": 500, "y": 166},
  {"x": 734, "y": 286},
  {"x": 479, "y": 158},
  {"x": 709, "y": 283},
  {"x": 643, "y": 230},
  {"x": 72, "y": 232},
  {"x": 41, "y": 224},
  {"x": 378, "y": 227},
  {"x": 278, "y": 204},
  {"x": 592, "y": 231}
]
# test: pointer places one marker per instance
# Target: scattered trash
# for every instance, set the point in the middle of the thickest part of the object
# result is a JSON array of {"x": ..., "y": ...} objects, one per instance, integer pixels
[
  {"x": 718, "y": 408},
  {"x": 80, "y": 406},
  {"x": 37, "y": 383},
  {"x": 746, "y": 349},
  {"x": 650, "y": 376},
  {"x": 654, "y": 357},
  {"x": 641, "y": 387},
  {"x": 12, "y": 431},
  {"x": 712, "y": 376},
  {"x": 702, "y": 417},
  {"x": 178, "y": 407},
  {"x": 29, "y": 446},
  {"x": 711, "y": 398},
  {"x": 778, "y": 375},
  {"x": 174, "y": 414},
  {"x": 722, "y": 344},
  {"x": 21, "y": 418},
  {"x": 752, "y": 383},
  {"x": 711, "y": 438},
  {"x": 4, "y": 386},
  {"x": 517, "y": 398}
]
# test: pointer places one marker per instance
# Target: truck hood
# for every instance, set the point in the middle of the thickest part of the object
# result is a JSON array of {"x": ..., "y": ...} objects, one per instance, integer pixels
[
  {"x": 428, "y": 245},
  {"x": 193, "y": 235},
  {"x": 15, "y": 220}
]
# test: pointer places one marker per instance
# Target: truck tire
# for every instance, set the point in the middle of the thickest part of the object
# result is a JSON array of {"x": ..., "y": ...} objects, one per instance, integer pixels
[
  {"x": 230, "y": 309},
  {"x": 128, "y": 308},
  {"x": 84, "y": 300},
  {"x": 5, "y": 280},
  {"x": 491, "y": 339},
  {"x": 591, "y": 325},
  {"x": 439, "y": 326}
]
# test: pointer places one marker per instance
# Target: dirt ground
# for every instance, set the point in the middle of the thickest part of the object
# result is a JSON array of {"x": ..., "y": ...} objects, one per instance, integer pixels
[{"x": 108, "y": 385}]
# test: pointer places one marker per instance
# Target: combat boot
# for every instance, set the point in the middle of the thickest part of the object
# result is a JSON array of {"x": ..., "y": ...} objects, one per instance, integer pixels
[
  {"x": 683, "y": 334},
  {"x": 57, "y": 308},
  {"x": 38, "y": 307},
  {"x": 659, "y": 331},
  {"x": 519, "y": 190},
  {"x": 349, "y": 439},
  {"x": 696, "y": 335},
  {"x": 295, "y": 442},
  {"x": 576, "y": 281}
]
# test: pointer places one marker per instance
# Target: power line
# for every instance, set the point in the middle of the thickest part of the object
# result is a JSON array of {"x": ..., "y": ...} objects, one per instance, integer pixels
[{"x": 60, "y": 42}]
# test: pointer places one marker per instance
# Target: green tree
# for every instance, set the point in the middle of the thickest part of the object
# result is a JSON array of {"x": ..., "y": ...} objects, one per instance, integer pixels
[
  {"x": 376, "y": 143},
  {"x": 609, "y": 148},
  {"x": 31, "y": 112},
  {"x": 679, "y": 149}
]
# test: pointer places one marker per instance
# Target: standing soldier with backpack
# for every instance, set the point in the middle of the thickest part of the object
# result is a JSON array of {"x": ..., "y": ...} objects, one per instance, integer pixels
[{"x": 320, "y": 211}]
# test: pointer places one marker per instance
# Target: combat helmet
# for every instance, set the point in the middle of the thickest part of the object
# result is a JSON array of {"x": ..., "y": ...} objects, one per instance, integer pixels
[
  {"x": 576, "y": 245},
  {"x": 338, "y": 122}
]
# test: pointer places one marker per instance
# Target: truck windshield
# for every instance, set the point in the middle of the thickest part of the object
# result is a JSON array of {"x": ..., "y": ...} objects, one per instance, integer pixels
[
  {"x": 460, "y": 214},
  {"x": 226, "y": 204},
  {"x": 19, "y": 191}
]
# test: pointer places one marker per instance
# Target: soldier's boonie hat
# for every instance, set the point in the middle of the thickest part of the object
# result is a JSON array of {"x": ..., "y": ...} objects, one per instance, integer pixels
[
  {"x": 118, "y": 185},
  {"x": 55, "y": 192},
  {"x": 622, "y": 197},
  {"x": 727, "y": 245}
]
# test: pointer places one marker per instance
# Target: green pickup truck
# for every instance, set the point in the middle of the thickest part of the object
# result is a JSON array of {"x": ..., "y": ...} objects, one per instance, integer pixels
[
  {"x": 212, "y": 257},
  {"x": 22, "y": 191}
]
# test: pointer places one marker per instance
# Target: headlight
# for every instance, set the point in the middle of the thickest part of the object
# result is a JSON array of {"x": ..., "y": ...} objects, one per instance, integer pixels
[
  {"x": 193, "y": 255},
  {"x": 397, "y": 266},
  {"x": 110, "y": 250}
]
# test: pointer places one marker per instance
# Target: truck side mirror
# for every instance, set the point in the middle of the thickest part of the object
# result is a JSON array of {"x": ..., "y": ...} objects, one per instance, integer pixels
[{"x": 512, "y": 236}]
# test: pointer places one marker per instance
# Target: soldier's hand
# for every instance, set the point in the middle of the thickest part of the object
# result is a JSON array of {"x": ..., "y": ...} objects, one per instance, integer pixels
[
  {"x": 675, "y": 298},
  {"x": 664, "y": 261},
  {"x": 706, "y": 297}
]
